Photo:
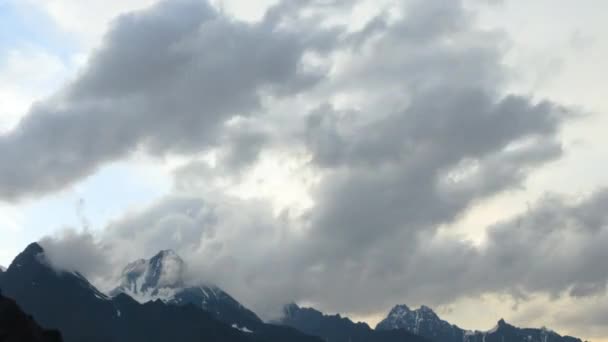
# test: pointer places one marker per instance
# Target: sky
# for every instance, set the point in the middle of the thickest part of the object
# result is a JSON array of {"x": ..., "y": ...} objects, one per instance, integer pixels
[{"x": 350, "y": 155}]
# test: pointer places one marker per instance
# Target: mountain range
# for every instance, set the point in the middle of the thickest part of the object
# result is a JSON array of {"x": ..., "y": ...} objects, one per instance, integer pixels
[
  {"x": 425, "y": 322},
  {"x": 68, "y": 302},
  {"x": 152, "y": 301},
  {"x": 340, "y": 329}
]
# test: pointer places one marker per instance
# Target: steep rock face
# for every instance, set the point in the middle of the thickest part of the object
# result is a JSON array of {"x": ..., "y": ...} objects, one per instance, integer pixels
[
  {"x": 17, "y": 326},
  {"x": 335, "y": 328},
  {"x": 162, "y": 278},
  {"x": 426, "y": 323}
]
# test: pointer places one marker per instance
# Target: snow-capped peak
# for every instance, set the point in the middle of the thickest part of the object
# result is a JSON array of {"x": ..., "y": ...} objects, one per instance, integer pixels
[
  {"x": 168, "y": 270},
  {"x": 156, "y": 278},
  {"x": 162, "y": 278},
  {"x": 417, "y": 321}
]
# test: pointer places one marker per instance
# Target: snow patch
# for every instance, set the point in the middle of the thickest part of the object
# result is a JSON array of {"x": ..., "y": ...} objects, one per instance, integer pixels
[{"x": 243, "y": 329}]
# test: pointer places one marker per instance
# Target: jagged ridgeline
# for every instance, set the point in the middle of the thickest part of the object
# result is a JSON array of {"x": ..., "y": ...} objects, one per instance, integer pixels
[
  {"x": 425, "y": 322},
  {"x": 66, "y": 301},
  {"x": 152, "y": 301}
]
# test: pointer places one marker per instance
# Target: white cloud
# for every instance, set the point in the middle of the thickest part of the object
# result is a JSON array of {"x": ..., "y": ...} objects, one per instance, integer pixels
[
  {"x": 88, "y": 20},
  {"x": 27, "y": 74}
]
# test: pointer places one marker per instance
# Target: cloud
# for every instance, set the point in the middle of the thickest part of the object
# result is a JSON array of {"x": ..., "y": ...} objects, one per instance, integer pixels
[
  {"x": 555, "y": 247},
  {"x": 26, "y": 75},
  {"x": 165, "y": 80},
  {"x": 405, "y": 124},
  {"x": 72, "y": 250},
  {"x": 87, "y": 21}
]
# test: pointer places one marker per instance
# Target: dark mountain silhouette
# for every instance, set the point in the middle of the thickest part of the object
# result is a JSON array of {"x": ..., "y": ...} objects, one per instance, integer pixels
[
  {"x": 167, "y": 309},
  {"x": 426, "y": 323},
  {"x": 335, "y": 328},
  {"x": 68, "y": 302},
  {"x": 16, "y": 326}
]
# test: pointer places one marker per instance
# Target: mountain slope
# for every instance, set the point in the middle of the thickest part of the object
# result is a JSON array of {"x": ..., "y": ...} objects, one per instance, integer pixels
[
  {"x": 68, "y": 302},
  {"x": 42, "y": 292},
  {"x": 162, "y": 277},
  {"x": 426, "y": 323},
  {"x": 335, "y": 328},
  {"x": 15, "y": 325}
]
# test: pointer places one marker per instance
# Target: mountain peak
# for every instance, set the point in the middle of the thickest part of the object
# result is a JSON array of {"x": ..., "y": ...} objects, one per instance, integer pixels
[
  {"x": 33, "y": 248},
  {"x": 162, "y": 278},
  {"x": 153, "y": 277},
  {"x": 167, "y": 253},
  {"x": 166, "y": 270},
  {"x": 501, "y": 324},
  {"x": 293, "y": 309},
  {"x": 290, "y": 308},
  {"x": 334, "y": 327},
  {"x": 427, "y": 311},
  {"x": 399, "y": 309},
  {"x": 420, "y": 321},
  {"x": 32, "y": 253}
]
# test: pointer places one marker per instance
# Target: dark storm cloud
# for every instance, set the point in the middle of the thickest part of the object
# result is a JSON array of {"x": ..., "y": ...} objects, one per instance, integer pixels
[{"x": 165, "y": 80}]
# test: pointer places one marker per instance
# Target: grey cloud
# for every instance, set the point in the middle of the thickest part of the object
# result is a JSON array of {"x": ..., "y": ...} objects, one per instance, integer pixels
[
  {"x": 237, "y": 244},
  {"x": 72, "y": 250},
  {"x": 179, "y": 221},
  {"x": 429, "y": 133},
  {"x": 243, "y": 143},
  {"x": 265, "y": 261},
  {"x": 557, "y": 246},
  {"x": 165, "y": 80},
  {"x": 587, "y": 318}
]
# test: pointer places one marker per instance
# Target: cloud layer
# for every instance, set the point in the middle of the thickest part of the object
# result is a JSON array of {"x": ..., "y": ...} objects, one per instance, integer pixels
[
  {"x": 164, "y": 80},
  {"x": 404, "y": 121}
]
